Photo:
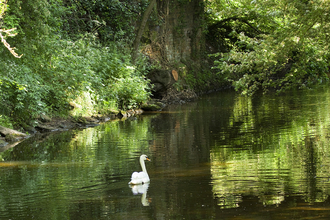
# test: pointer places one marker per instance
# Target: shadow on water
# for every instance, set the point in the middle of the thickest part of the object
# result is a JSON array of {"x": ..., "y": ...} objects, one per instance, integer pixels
[{"x": 222, "y": 157}]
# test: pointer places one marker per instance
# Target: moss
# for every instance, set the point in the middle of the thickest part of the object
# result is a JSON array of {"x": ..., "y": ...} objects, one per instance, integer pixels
[
  {"x": 13, "y": 137},
  {"x": 156, "y": 106},
  {"x": 3, "y": 143}
]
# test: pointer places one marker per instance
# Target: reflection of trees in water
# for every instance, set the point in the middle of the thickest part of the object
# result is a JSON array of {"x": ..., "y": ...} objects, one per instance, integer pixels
[
  {"x": 188, "y": 131},
  {"x": 271, "y": 175},
  {"x": 177, "y": 144},
  {"x": 246, "y": 176},
  {"x": 180, "y": 147},
  {"x": 316, "y": 168},
  {"x": 273, "y": 147}
]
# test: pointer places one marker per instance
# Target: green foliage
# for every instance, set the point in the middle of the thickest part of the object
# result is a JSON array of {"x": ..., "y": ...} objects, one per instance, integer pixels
[
  {"x": 76, "y": 67},
  {"x": 130, "y": 92},
  {"x": 57, "y": 70},
  {"x": 200, "y": 81},
  {"x": 284, "y": 44},
  {"x": 21, "y": 97},
  {"x": 111, "y": 20},
  {"x": 3, "y": 8},
  {"x": 5, "y": 122}
]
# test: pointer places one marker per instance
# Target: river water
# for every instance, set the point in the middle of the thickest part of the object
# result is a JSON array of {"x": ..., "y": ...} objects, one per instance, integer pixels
[{"x": 223, "y": 156}]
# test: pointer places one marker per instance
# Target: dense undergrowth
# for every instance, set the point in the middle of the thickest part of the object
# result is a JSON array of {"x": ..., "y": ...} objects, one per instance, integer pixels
[{"x": 71, "y": 58}]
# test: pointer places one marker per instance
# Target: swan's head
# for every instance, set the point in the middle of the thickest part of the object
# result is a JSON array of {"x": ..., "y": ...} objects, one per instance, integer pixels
[{"x": 144, "y": 157}]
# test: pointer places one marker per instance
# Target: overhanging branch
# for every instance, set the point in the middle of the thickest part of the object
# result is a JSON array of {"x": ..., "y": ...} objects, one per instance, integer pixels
[{"x": 3, "y": 40}]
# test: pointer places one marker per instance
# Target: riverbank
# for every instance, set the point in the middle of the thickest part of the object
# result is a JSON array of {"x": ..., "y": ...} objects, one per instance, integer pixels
[{"x": 43, "y": 124}]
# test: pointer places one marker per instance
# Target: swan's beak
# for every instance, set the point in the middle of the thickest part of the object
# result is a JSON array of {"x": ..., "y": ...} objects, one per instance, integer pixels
[{"x": 148, "y": 159}]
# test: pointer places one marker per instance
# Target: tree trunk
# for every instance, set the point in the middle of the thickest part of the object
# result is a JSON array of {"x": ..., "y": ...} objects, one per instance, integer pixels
[
  {"x": 179, "y": 37},
  {"x": 141, "y": 29},
  {"x": 177, "y": 40},
  {"x": 7, "y": 131}
]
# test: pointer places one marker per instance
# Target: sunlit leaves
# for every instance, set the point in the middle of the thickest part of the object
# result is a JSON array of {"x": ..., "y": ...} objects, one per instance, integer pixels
[
  {"x": 288, "y": 46},
  {"x": 57, "y": 70},
  {"x": 110, "y": 20}
]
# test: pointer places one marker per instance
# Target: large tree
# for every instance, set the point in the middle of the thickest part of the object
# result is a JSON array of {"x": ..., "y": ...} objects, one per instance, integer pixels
[
  {"x": 141, "y": 29},
  {"x": 272, "y": 44},
  {"x": 174, "y": 40}
]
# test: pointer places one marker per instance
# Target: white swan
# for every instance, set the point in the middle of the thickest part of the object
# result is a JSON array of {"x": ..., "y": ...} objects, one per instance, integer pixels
[{"x": 141, "y": 177}]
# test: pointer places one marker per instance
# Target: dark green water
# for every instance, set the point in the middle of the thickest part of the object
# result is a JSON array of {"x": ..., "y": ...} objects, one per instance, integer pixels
[{"x": 223, "y": 156}]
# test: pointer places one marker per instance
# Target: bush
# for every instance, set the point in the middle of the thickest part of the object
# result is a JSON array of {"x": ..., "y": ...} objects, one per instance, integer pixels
[
  {"x": 56, "y": 70},
  {"x": 35, "y": 86},
  {"x": 21, "y": 93}
]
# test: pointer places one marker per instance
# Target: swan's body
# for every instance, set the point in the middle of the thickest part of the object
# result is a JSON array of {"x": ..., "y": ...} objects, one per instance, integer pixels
[{"x": 141, "y": 177}]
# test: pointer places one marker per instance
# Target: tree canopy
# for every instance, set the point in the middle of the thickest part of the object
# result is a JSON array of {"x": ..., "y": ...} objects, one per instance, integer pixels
[
  {"x": 76, "y": 54},
  {"x": 275, "y": 44}
]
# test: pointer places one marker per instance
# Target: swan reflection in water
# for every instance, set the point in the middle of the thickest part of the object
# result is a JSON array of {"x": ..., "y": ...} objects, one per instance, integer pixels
[{"x": 141, "y": 189}]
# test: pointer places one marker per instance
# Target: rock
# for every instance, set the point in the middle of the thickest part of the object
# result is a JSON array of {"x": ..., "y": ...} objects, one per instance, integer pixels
[
  {"x": 44, "y": 118},
  {"x": 12, "y": 138},
  {"x": 93, "y": 120},
  {"x": 81, "y": 120},
  {"x": 122, "y": 114},
  {"x": 3, "y": 143},
  {"x": 66, "y": 126},
  {"x": 153, "y": 106},
  {"x": 11, "y": 135},
  {"x": 105, "y": 118},
  {"x": 162, "y": 80},
  {"x": 29, "y": 129},
  {"x": 10, "y": 132},
  {"x": 45, "y": 128}
]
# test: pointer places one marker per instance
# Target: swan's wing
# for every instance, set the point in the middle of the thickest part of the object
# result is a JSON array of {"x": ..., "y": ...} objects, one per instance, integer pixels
[
  {"x": 135, "y": 175},
  {"x": 139, "y": 178},
  {"x": 144, "y": 177}
]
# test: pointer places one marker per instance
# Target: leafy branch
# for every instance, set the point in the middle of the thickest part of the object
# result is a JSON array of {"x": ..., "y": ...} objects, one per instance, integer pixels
[
  {"x": 3, "y": 7},
  {"x": 3, "y": 40}
]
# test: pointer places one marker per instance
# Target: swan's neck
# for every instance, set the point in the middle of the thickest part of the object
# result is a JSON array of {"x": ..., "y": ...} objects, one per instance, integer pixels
[{"x": 143, "y": 166}]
